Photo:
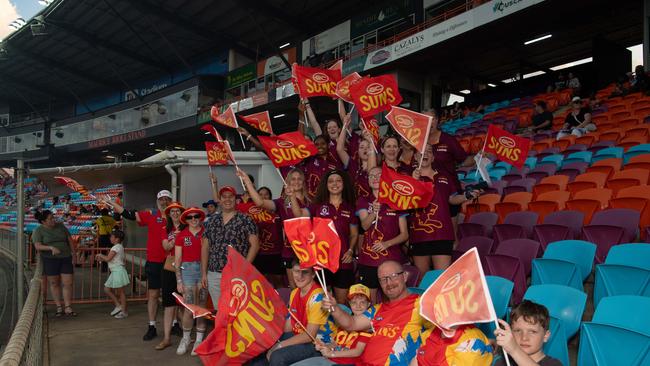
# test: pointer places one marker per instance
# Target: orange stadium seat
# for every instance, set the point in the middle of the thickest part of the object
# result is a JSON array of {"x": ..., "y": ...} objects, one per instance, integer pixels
[
  {"x": 586, "y": 181},
  {"x": 587, "y": 139},
  {"x": 642, "y": 103},
  {"x": 548, "y": 202},
  {"x": 642, "y": 112},
  {"x": 611, "y": 134},
  {"x": 602, "y": 195},
  {"x": 541, "y": 145},
  {"x": 485, "y": 203},
  {"x": 627, "y": 142},
  {"x": 565, "y": 142},
  {"x": 607, "y": 166},
  {"x": 615, "y": 108},
  {"x": 599, "y": 120},
  {"x": 638, "y": 131},
  {"x": 552, "y": 183},
  {"x": 620, "y": 115},
  {"x": 628, "y": 123},
  {"x": 635, "y": 198},
  {"x": 513, "y": 202}
]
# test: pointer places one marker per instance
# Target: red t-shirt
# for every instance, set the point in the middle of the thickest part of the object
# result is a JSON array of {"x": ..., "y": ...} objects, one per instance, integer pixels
[
  {"x": 155, "y": 223},
  {"x": 349, "y": 340},
  {"x": 269, "y": 227},
  {"x": 433, "y": 222},
  {"x": 191, "y": 245}
]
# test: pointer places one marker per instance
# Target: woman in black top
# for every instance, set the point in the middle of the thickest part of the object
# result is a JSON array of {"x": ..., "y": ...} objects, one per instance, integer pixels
[{"x": 578, "y": 121}]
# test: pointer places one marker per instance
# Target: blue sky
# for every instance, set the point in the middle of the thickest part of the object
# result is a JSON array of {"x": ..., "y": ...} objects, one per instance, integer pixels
[
  {"x": 27, "y": 8},
  {"x": 10, "y": 10}
]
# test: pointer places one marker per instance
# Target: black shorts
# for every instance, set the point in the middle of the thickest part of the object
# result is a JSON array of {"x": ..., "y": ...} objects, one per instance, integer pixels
[
  {"x": 153, "y": 271},
  {"x": 454, "y": 210},
  {"x": 343, "y": 278},
  {"x": 57, "y": 266},
  {"x": 168, "y": 279},
  {"x": 269, "y": 264},
  {"x": 436, "y": 247},
  {"x": 368, "y": 276}
]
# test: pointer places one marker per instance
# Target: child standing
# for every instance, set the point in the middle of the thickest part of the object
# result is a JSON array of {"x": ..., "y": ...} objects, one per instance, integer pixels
[
  {"x": 524, "y": 338},
  {"x": 119, "y": 277}
]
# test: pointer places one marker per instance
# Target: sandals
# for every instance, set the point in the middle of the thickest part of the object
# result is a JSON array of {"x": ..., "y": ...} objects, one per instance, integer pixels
[
  {"x": 59, "y": 312},
  {"x": 69, "y": 312},
  {"x": 162, "y": 345}
]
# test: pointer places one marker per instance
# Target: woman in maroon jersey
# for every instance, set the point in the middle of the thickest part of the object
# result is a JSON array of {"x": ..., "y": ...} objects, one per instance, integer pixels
[
  {"x": 316, "y": 166},
  {"x": 390, "y": 154},
  {"x": 335, "y": 200},
  {"x": 269, "y": 225},
  {"x": 383, "y": 239},
  {"x": 431, "y": 233},
  {"x": 282, "y": 207},
  {"x": 358, "y": 169}
]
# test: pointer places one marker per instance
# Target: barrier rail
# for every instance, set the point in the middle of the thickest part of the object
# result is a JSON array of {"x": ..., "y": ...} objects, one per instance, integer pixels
[{"x": 25, "y": 346}]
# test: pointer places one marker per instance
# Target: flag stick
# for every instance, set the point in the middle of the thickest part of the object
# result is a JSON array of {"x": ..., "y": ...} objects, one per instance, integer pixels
[
  {"x": 242, "y": 141},
  {"x": 302, "y": 326},
  {"x": 478, "y": 163},
  {"x": 348, "y": 131},
  {"x": 421, "y": 158},
  {"x": 376, "y": 220},
  {"x": 210, "y": 168},
  {"x": 321, "y": 281},
  {"x": 281, "y": 177},
  {"x": 505, "y": 354}
]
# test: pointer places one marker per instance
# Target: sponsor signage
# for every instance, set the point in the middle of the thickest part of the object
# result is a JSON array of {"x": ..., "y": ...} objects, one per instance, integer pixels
[
  {"x": 241, "y": 75},
  {"x": 117, "y": 139},
  {"x": 327, "y": 40},
  {"x": 275, "y": 63},
  {"x": 379, "y": 17}
]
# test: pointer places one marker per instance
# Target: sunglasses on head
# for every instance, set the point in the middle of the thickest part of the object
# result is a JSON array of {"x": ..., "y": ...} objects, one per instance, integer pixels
[{"x": 191, "y": 217}]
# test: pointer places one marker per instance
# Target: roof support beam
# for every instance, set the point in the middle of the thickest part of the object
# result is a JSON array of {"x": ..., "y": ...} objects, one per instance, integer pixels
[
  {"x": 26, "y": 85},
  {"x": 278, "y": 14}
]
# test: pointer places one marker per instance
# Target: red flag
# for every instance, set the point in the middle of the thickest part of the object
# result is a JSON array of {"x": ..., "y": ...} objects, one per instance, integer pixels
[
  {"x": 287, "y": 149},
  {"x": 218, "y": 152},
  {"x": 315, "y": 242},
  {"x": 459, "y": 296},
  {"x": 212, "y": 130},
  {"x": 197, "y": 311},
  {"x": 72, "y": 184},
  {"x": 372, "y": 125},
  {"x": 314, "y": 82},
  {"x": 402, "y": 192},
  {"x": 250, "y": 317},
  {"x": 374, "y": 95},
  {"x": 227, "y": 118},
  {"x": 260, "y": 121},
  {"x": 338, "y": 65},
  {"x": 412, "y": 126},
  {"x": 506, "y": 146},
  {"x": 343, "y": 86}
]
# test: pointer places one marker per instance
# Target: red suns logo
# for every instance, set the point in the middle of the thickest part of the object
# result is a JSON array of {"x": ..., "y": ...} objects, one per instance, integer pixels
[
  {"x": 451, "y": 283},
  {"x": 284, "y": 144},
  {"x": 320, "y": 78},
  {"x": 239, "y": 292},
  {"x": 374, "y": 89},
  {"x": 403, "y": 187},
  {"x": 404, "y": 121},
  {"x": 507, "y": 141}
]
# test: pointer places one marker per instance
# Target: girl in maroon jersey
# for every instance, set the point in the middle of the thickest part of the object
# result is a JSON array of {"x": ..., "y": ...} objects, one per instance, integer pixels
[
  {"x": 381, "y": 241},
  {"x": 358, "y": 169},
  {"x": 335, "y": 200},
  {"x": 390, "y": 154}
]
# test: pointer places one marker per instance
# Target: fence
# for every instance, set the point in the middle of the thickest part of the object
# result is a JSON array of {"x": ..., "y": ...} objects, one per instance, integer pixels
[{"x": 25, "y": 346}]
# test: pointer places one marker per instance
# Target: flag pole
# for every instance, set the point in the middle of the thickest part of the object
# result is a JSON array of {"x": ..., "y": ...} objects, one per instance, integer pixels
[
  {"x": 242, "y": 140},
  {"x": 302, "y": 326},
  {"x": 426, "y": 141},
  {"x": 284, "y": 183},
  {"x": 505, "y": 354}
]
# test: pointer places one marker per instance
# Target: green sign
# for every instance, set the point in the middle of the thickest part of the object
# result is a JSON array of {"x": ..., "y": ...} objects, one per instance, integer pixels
[
  {"x": 204, "y": 117},
  {"x": 378, "y": 17},
  {"x": 241, "y": 75}
]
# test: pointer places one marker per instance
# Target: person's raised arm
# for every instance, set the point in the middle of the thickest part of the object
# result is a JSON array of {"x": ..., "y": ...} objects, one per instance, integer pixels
[
  {"x": 367, "y": 218},
  {"x": 372, "y": 153},
  {"x": 343, "y": 114},
  {"x": 313, "y": 122},
  {"x": 127, "y": 214},
  {"x": 295, "y": 205},
  {"x": 340, "y": 143},
  {"x": 252, "y": 139},
  {"x": 268, "y": 205},
  {"x": 214, "y": 186},
  {"x": 344, "y": 320}
]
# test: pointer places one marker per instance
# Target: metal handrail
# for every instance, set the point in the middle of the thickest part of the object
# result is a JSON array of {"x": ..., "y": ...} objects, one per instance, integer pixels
[{"x": 25, "y": 346}]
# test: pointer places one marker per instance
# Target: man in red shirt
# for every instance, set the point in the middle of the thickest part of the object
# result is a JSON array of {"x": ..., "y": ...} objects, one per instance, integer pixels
[
  {"x": 396, "y": 323},
  {"x": 155, "y": 221}
]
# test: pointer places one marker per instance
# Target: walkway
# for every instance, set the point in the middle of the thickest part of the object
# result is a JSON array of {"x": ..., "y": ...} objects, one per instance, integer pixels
[{"x": 97, "y": 337}]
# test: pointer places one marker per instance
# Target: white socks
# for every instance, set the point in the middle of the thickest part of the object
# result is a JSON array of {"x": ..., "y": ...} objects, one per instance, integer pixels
[
  {"x": 152, "y": 323},
  {"x": 186, "y": 334},
  {"x": 199, "y": 336}
]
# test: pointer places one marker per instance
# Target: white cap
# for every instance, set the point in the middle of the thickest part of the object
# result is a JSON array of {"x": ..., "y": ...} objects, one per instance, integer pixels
[
  {"x": 576, "y": 99},
  {"x": 164, "y": 193}
]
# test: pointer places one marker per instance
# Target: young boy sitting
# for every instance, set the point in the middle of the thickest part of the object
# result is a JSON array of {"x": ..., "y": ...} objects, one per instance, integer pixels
[{"x": 524, "y": 338}]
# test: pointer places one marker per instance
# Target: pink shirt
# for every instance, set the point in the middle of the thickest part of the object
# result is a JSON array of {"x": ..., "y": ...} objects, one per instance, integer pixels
[{"x": 387, "y": 229}]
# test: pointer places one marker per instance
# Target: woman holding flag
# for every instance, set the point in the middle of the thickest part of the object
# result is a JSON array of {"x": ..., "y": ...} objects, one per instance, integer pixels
[
  {"x": 390, "y": 153},
  {"x": 335, "y": 200},
  {"x": 431, "y": 230},
  {"x": 386, "y": 231},
  {"x": 358, "y": 169},
  {"x": 282, "y": 207}
]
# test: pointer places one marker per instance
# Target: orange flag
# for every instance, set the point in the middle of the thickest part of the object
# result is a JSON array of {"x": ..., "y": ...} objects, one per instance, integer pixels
[
  {"x": 459, "y": 296},
  {"x": 374, "y": 95},
  {"x": 314, "y": 82},
  {"x": 72, "y": 184},
  {"x": 402, "y": 192},
  {"x": 260, "y": 121},
  {"x": 372, "y": 125},
  {"x": 287, "y": 149},
  {"x": 338, "y": 65},
  {"x": 315, "y": 242},
  {"x": 227, "y": 118},
  {"x": 506, "y": 146},
  {"x": 343, "y": 86},
  {"x": 212, "y": 131},
  {"x": 250, "y": 316},
  {"x": 412, "y": 126},
  {"x": 218, "y": 152},
  {"x": 197, "y": 311}
]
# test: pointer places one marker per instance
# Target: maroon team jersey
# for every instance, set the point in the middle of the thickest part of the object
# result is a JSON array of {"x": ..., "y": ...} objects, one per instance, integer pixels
[
  {"x": 434, "y": 221},
  {"x": 315, "y": 168},
  {"x": 387, "y": 228},
  {"x": 359, "y": 178},
  {"x": 343, "y": 218},
  {"x": 283, "y": 209},
  {"x": 448, "y": 153}
]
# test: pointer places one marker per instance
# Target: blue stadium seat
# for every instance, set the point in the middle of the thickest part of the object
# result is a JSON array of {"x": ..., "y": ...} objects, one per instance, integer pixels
[
  {"x": 626, "y": 311},
  {"x": 531, "y": 162},
  {"x": 565, "y": 303},
  {"x": 602, "y": 344},
  {"x": 579, "y": 156},
  {"x": 429, "y": 278},
  {"x": 579, "y": 252},
  {"x": 555, "y": 159},
  {"x": 500, "y": 292},
  {"x": 557, "y": 346},
  {"x": 606, "y": 153},
  {"x": 636, "y": 150}
]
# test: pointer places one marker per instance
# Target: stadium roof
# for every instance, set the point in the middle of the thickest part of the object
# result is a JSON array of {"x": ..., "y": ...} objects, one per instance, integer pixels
[{"x": 94, "y": 45}]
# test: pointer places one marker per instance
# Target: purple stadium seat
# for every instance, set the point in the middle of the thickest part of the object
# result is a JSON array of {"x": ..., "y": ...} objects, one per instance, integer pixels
[
  {"x": 497, "y": 187},
  {"x": 479, "y": 224},
  {"x": 524, "y": 249},
  {"x": 522, "y": 171},
  {"x": 572, "y": 170},
  {"x": 574, "y": 148},
  {"x": 611, "y": 227},
  {"x": 601, "y": 145},
  {"x": 547, "y": 152},
  {"x": 482, "y": 243},
  {"x": 284, "y": 293},
  {"x": 414, "y": 275},
  {"x": 520, "y": 185},
  {"x": 511, "y": 177},
  {"x": 510, "y": 268},
  {"x": 516, "y": 225}
]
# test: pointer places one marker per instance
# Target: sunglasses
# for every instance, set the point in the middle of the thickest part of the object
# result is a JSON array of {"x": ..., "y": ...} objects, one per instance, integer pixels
[{"x": 192, "y": 217}]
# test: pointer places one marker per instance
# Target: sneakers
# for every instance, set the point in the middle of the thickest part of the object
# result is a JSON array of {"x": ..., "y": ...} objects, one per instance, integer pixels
[
  {"x": 151, "y": 334},
  {"x": 121, "y": 315},
  {"x": 196, "y": 345},
  {"x": 116, "y": 311},
  {"x": 182, "y": 346},
  {"x": 177, "y": 330}
]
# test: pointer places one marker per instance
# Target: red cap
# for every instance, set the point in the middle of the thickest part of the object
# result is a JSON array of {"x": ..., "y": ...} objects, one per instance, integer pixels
[{"x": 230, "y": 189}]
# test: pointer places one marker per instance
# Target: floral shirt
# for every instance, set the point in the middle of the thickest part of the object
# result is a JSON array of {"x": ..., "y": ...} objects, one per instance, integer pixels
[{"x": 219, "y": 236}]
